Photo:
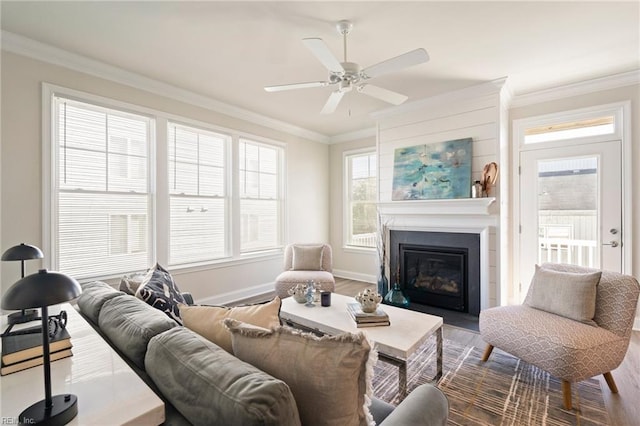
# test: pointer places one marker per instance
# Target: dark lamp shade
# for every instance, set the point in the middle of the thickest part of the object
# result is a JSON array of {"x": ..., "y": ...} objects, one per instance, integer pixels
[
  {"x": 43, "y": 288},
  {"x": 22, "y": 252}
]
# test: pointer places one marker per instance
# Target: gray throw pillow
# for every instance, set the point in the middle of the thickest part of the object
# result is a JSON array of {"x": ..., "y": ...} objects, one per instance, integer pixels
[{"x": 567, "y": 294}]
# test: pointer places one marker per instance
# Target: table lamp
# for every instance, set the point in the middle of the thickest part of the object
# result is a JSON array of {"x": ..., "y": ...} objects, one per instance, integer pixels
[
  {"x": 22, "y": 252},
  {"x": 41, "y": 290}
]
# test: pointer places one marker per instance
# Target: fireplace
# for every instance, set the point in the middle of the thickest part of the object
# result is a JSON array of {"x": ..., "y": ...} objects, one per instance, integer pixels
[{"x": 439, "y": 269}]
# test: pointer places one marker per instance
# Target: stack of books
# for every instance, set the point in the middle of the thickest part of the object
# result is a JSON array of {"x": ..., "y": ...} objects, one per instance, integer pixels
[
  {"x": 22, "y": 349},
  {"x": 365, "y": 319}
]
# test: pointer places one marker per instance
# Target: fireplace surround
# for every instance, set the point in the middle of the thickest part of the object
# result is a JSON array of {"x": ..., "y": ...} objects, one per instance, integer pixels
[{"x": 439, "y": 269}]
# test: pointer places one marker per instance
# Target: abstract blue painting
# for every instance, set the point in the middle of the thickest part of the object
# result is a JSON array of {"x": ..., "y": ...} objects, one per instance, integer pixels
[{"x": 433, "y": 171}]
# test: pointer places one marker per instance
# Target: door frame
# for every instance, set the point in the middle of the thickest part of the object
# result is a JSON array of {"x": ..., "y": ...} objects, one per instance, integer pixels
[{"x": 622, "y": 132}]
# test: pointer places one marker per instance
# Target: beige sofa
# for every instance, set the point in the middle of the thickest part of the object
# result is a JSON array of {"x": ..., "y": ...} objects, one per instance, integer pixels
[{"x": 568, "y": 349}]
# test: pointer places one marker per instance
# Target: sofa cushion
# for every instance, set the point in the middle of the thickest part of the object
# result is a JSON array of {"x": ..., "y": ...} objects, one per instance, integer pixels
[
  {"x": 307, "y": 258},
  {"x": 130, "y": 283},
  {"x": 211, "y": 387},
  {"x": 330, "y": 376},
  {"x": 568, "y": 294},
  {"x": 94, "y": 295},
  {"x": 160, "y": 290},
  {"x": 208, "y": 321},
  {"x": 130, "y": 323}
]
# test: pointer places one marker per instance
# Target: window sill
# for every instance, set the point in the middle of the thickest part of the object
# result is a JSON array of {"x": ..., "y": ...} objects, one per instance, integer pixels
[
  {"x": 276, "y": 254},
  {"x": 358, "y": 250}
]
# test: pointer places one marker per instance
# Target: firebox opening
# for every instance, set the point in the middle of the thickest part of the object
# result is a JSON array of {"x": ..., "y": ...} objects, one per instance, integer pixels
[
  {"x": 437, "y": 270},
  {"x": 435, "y": 276}
]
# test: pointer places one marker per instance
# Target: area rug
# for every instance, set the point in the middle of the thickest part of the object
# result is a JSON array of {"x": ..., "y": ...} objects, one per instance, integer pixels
[{"x": 502, "y": 391}]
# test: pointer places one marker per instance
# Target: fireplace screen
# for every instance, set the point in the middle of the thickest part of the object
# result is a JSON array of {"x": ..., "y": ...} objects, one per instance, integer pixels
[{"x": 436, "y": 276}]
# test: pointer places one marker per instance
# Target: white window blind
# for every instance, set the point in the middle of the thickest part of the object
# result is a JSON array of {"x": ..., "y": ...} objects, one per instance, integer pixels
[
  {"x": 102, "y": 206},
  {"x": 361, "y": 197},
  {"x": 197, "y": 194},
  {"x": 260, "y": 171}
]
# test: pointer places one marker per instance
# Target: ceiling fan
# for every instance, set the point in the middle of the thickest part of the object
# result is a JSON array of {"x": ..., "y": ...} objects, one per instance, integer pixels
[{"x": 349, "y": 75}]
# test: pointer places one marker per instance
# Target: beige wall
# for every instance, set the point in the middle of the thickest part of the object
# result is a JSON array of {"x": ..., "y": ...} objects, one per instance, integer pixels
[
  {"x": 629, "y": 93},
  {"x": 347, "y": 263},
  {"x": 21, "y": 177}
]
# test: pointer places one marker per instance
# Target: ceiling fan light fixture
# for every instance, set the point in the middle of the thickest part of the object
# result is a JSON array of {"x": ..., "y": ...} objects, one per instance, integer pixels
[{"x": 347, "y": 75}]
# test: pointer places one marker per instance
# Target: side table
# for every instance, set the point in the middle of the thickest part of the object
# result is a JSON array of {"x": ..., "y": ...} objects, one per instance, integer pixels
[{"x": 108, "y": 390}]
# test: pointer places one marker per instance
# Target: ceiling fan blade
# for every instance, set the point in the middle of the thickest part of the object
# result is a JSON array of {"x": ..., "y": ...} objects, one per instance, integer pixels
[
  {"x": 320, "y": 49},
  {"x": 332, "y": 102},
  {"x": 382, "y": 94},
  {"x": 282, "y": 87},
  {"x": 409, "y": 59}
]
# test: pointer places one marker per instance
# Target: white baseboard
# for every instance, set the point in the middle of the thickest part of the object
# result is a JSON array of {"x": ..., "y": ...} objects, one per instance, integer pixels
[
  {"x": 350, "y": 275},
  {"x": 234, "y": 296},
  {"x": 636, "y": 324}
]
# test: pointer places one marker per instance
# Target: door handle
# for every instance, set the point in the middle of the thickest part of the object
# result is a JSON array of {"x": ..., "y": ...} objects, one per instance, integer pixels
[{"x": 613, "y": 244}]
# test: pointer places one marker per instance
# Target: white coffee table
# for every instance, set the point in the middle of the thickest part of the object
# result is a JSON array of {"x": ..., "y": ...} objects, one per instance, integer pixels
[
  {"x": 109, "y": 392},
  {"x": 395, "y": 343}
]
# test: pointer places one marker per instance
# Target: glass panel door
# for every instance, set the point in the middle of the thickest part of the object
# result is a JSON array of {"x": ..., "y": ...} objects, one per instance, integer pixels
[{"x": 570, "y": 207}]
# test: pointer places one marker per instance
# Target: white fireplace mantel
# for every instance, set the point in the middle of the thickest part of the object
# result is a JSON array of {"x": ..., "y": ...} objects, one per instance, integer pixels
[
  {"x": 468, "y": 215},
  {"x": 458, "y": 206}
]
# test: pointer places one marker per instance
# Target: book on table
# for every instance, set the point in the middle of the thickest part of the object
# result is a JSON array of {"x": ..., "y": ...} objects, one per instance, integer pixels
[
  {"x": 33, "y": 362},
  {"x": 26, "y": 344},
  {"x": 366, "y": 319}
]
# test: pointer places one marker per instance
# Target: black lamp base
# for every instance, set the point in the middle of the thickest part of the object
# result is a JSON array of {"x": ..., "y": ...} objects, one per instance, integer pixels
[
  {"x": 25, "y": 315},
  {"x": 65, "y": 408}
]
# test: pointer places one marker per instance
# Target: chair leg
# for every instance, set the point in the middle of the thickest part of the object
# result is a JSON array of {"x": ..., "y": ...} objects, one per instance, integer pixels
[
  {"x": 612, "y": 384},
  {"x": 566, "y": 394},
  {"x": 487, "y": 353}
]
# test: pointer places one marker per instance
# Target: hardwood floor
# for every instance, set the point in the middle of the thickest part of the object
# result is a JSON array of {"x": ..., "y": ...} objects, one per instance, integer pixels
[{"x": 623, "y": 408}]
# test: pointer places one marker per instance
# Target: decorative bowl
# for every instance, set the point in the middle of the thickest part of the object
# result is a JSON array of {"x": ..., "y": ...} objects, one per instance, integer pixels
[
  {"x": 299, "y": 293},
  {"x": 368, "y": 300}
]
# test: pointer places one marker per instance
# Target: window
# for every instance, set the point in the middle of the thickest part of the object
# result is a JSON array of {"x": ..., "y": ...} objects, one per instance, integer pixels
[
  {"x": 570, "y": 130},
  {"x": 361, "y": 199},
  {"x": 197, "y": 194},
  {"x": 101, "y": 189},
  {"x": 128, "y": 186},
  {"x": 260, "y": 170}
]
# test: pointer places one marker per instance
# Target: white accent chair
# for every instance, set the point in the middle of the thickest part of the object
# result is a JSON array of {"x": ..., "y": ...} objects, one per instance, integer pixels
[
  {"x": 304, "y": 262},
  {"x": 565, "y": 348}
]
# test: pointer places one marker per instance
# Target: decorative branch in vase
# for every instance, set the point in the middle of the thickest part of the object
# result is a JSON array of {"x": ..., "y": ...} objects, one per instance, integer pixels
[
  {"x": 381, "y": 248},
  {"x": 396, "y": 296}
]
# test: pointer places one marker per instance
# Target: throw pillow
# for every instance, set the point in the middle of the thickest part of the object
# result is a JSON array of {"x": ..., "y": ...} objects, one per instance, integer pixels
[
  {"x": 160, "y": 290},
  {"x": 567, "y": 294},
  {"x": 208, "y": 321},
  {"x": 129, "y": 283},
  {"x": 307, "y": 258},
  {"x": 329, "y": 376}
]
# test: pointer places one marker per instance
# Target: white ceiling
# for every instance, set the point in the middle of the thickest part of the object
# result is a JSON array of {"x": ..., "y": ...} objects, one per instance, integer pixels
[{"x": 229, "y": 50}]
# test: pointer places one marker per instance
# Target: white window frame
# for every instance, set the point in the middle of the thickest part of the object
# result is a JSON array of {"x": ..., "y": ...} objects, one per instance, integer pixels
[
  {"x": 227, "y": 190},
  {"x": 158, "y": 224},
  {"x": 346, "y": 202},
  {"x": 281, "y": 200}
]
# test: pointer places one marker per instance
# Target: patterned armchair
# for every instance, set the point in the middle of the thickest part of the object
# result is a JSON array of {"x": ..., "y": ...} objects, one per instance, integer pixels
[
  {"x": 568, "y": 349},
  {"x": 304, "y": 262}
]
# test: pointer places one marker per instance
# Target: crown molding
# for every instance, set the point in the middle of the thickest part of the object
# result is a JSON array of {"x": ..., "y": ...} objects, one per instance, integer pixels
[
  {"x": 479, "y": 90},
  {"x": 576, "y": 89},
  {"x": 30, "y": 48},
  {"x": 352, "y": 136}
]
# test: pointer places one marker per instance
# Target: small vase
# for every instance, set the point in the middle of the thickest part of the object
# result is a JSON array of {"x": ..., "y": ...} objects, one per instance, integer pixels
[
  {"x": 396, "y": 297},
  {"x": 383, "y": 283}
]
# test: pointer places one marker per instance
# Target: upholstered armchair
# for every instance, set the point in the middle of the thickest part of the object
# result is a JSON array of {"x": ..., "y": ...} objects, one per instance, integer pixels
[
  {"x": 304, "y": 262},
  {"x": 559, "y": 329}
]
